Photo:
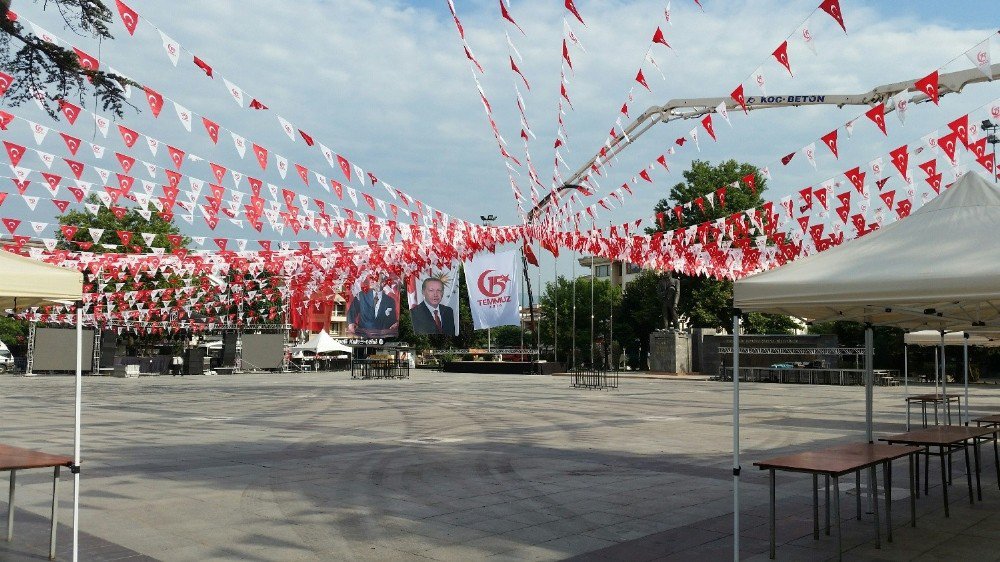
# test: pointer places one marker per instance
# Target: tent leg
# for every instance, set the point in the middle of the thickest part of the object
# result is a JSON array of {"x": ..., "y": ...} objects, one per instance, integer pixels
[
  {"x": 736, "y": 436},
  {"x": 76, "y": 431},
  {"x": 944, "y": 382},
  {"x": 965, "y": 352},
  {"x": 869, "y": 408},
  {"x": 906, "y": 383}
]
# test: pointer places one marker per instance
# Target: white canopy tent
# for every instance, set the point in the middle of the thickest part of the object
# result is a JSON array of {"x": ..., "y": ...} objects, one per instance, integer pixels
[
  {"x": 321, "y": 342},
  {"x": 25, "y": 282},
  {"x": 937, "y": 269}
]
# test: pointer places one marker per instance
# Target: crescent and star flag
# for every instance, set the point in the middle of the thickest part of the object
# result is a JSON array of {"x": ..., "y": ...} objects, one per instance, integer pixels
[{"x": 494, "y": 290}]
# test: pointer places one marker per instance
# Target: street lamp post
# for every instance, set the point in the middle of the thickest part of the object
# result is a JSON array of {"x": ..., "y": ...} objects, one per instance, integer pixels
[{"x": 991, "y": 138}]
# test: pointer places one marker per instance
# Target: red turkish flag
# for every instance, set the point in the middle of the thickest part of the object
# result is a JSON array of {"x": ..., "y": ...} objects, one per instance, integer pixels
[
  {"x": 857, "y": 178},
  {"x": 961, "y": 128},
  {"x": 338, "y": 188},
  {"x": 901, "y": 160},
  {"x": 787, "y": 158},
  {"x": 641, "y": 79},
  {"x": 506, "y": 15},
  {"x": 820, "y": 195},
  {"x": 513, "y": 66},
  {"x": 345, "y": 166},
  {"x": 173, "y": 178},
  {"x": 130, "y": 18},
  {"x": 204, "y": 66},
  {"x": 888, "y": 197},
  {"x": 126, "y": 161},
  {"x": 737, "y": 95},
  {"x": 303, "y": 173},
  {"x": 644, "y": 174},
  {"x": 832, "y": 7},
  {"x": 86, "y": 61},
  {"x": 128, "y": 135},
  {"x": 978, "y": 148},
  {"x": 52, "y": 179},
  {"x": 6, "y": 81},
  {"x": 751, "y": 182},
  {"x": 949, "y": 143},
  {"x": 261, "y": 153},
  {"x": 68, "y": 231},
  {"x": 77, "y": 193},
  {"x": 11, "y": 224},
  {"x": 707, "y": 123},
  {"x": 14, "y": 151},
  {"x": 781, "y": 54},
  {"x": 830, "y": 140},
  {"x": 72, "y": 143},
  {"x": 929, "y": 167},
  {"x": 903, "y": 208},
  {"x": 986, "y": 161},
  {"x": 155, "y": 100},
  {"x": 125, "y": 236},
  {"x": 76, "y": 167},
  {"x": 720, "y": 196},
  {"x": 119, "y": 212},
  {"x": 218, "y": 171},
  {"x": 174, "y": 239},
  {"x": 659, "y": 38},
  {"x": 212, "y": 128},
  {"x": 572, "y": 8},
  {"x": 176, "y": 156},
  {"x": 877, "y": 115},
  {"x": 309, "y": 140},
  {"x": 929, "y": 86},
  {"x": 69, "y": 110}
]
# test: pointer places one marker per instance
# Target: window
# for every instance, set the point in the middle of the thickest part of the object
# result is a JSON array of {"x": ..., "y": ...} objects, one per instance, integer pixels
[
  {"x": 602, "y": 271},
  {"x": 631, "y": 268}
]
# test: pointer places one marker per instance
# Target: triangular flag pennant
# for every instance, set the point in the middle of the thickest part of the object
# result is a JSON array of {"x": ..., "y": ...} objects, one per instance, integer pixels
[
  {"x": 184, "y": 115},
  {"x": 173, "y": 48},
  {"x": 261, "y": 154},
  {"x": 234, "y": 91},
  {"x": 929, "y": 86},
  {"x": 130, "y": 18},
  {"x": 781, "y": 54},
  {"x": 830, "y": 140},
  {"x": 659, "y": 38},
  {"x": 641, "y": 79},
  {"x": 980, "y": 56},
  {"x": 877, "y": 115},
  {"x": 212, "y": 128},
  {"x": 737, "y": 95},
  {"x": 155, "y": 101},
  {"x": 707, "y": 123},
  {"x": 832, "y": 7},
  {"x": 572, "y": 8}
]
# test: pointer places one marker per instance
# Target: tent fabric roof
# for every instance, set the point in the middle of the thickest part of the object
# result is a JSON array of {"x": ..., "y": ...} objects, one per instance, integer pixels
[
  {"x": 933, "y": 338},
  {"x": 936, "y": 269},
  {"x": 26, "y": 282},
  {"x": 322, "y": 343}
]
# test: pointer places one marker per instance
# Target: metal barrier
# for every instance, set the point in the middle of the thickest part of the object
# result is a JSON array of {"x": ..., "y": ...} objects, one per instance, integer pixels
[
  {"x": 379, "y": 369},
  {"x": 843, "y": 377},
  {"x": 593, "y": 378}
]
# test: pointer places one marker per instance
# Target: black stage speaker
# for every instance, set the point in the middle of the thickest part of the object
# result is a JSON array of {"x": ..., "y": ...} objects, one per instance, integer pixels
[
  {"x": 194, "y": 361},
  {"x": 109, "y": 345},
  {"x": 229, "y": 349}
]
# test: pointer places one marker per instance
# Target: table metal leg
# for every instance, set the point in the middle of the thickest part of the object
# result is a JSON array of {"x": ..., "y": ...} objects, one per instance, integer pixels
[
  {"x": 996, "y": 458},
  {"x": 887, "y": 476},
  {"x": 927, "y": 468},
  {"x": 836, "y": 515},
  {"x": 907, "y": 415},
  {"x": 55, "y": 511},
  {"x": 914, "y": 490},
  {"x": 857, "y": 488},
  {"x": 979, "y": 484},
  {"x": 944, "y": 482},
  {"x": 10, "y": 506},
  {"x": 968, "y": 471},
  {"x": 826, "y": 504},
  {"x": 771, "y": 479},
  {"x": 936, "y": 414},
  {"x": 923, "y": 411},
  {"x": 873, "y": 478},
  {"x": 815, "y": 507}
]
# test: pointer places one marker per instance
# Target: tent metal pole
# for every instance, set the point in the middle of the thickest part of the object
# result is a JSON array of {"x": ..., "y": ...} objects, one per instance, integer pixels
[
  {"x": 869, "y": 383},
  {"x": 965, "y": 352},
  {"x": 906, "y": 380},
  {"x": 76, "y": 431},
  {"x": 944, "y": 373},
  {"x": 736, "y": 435},
  {"x": 937, "y": 371}
]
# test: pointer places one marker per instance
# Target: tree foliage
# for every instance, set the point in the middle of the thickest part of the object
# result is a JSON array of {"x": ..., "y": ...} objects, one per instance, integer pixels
[
  {"x": 706, "y": 302},
  {"x": 558, "y": 297},
  {"x": 39, "y": 66}
]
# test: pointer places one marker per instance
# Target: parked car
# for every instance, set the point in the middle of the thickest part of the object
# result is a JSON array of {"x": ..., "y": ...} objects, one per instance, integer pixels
[
  {"x": 6, "y": 359},
  {"x": 782, "y": 366}
]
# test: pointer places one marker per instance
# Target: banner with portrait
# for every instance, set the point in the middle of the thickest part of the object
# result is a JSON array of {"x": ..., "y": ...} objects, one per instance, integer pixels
[
  {"x": 433, "y": 302},
  {"x": 494, "y": 290},
  {"x": 373, "y": 311}
]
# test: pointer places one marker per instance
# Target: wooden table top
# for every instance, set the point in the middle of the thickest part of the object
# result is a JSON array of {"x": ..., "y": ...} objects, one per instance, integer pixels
[
  {"x": 995, "y": 418},
  {"x": 939, "y": 435},
  {"x": 16, "y": 458},
  {"x": 839, "y": 460},
  {"x": 932, "y": 397}
]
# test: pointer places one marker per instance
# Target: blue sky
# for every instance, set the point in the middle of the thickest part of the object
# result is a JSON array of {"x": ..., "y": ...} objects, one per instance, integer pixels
[{"x": 386, "y": 83}]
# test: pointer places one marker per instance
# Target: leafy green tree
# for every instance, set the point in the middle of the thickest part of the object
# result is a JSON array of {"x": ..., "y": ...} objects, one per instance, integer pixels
[
  {"x": 707, "y": 302},
  {"x": 37, "y": 65},
  {"x": 105, "y": 219},
  {"x": 560, "y": 294},
  {"x": 887, "y": 342},
  {"x": 14, "y": 333},
  {"x": 638, "y": 316}
]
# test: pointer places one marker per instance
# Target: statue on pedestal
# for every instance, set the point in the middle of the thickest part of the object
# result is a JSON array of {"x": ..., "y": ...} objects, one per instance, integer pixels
[{"x": 669, "y": 291}]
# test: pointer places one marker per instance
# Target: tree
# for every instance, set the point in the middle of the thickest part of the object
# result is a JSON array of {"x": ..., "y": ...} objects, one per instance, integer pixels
[
  {"x": 707, "y": 302},
  {"x": 36, "y": 64},
  {"x": 887, "y": 342},
  {"x": 638, "y": 316},
  {"x": 560, "y": 294},
  {"x": 14, "y": 333},
  {"x": 131, "y": 221}
]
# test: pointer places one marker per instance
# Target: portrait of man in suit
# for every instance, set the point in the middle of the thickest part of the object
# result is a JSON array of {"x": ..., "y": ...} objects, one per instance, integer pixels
[
  {"x": 430, "y": 316},
  {"x": 373, "y": 313}
]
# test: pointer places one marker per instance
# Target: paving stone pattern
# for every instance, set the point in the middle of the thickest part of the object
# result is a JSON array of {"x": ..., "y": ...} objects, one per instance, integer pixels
[{"x": 457, "y": 467}]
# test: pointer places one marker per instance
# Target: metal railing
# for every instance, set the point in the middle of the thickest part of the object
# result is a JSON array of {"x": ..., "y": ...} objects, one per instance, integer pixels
[
  {"x": 379, "y": 369},
  {"x": 843, "y": 377},
  {"x": 595, "y": 379}
]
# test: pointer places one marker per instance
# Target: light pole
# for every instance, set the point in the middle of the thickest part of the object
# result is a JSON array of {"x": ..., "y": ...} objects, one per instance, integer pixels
[
  {"x": 488, "y": 221},
  {"x": 991, "y": 138}
]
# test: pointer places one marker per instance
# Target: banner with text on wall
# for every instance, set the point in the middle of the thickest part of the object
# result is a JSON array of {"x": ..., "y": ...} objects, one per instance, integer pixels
[{"x": 494, "y": 290}]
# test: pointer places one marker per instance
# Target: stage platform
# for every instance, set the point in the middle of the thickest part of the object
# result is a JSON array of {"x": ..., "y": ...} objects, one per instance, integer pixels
[{"x": 503, "y": 367}]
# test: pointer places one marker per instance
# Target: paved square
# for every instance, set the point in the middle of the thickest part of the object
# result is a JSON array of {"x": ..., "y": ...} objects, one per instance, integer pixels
[{"x": 451, "y": 467}]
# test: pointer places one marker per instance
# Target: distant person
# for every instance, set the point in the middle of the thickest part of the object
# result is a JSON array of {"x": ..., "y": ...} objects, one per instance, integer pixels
[
  {"x": 373, "y": 313},
  {"x": 430, "y": 316}
]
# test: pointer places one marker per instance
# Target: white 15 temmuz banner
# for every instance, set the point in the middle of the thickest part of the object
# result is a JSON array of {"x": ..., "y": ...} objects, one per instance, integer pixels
[{"x": 494, "y": 290}]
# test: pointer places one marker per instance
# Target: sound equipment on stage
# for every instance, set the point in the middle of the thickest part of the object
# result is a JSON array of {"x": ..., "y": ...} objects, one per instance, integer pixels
[
  {"x": 109, "y": 345},
  {"x": 194, "y": 361},
  {"x": 229, "y": 349}
]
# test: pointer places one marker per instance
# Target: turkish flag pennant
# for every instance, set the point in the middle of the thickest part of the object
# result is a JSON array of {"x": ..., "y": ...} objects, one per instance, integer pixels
[
  {"x": 644, "y": 174},
  {"x": 787, "y": 158},
  {"x": 641, "y": 79},
  {"x": 949, "y": 143},
  {"x": 128, "y": 135},
  {"x": 3, "y": 197},
  {"x": 707, "y": 123},
  {"x": 857, "y": 178},
  {"x": 929, "y": 167},
  {"x": 737, "y": 95},
  {"x": 929, "y": 86},
  {"x": 130, "y": 18},
  {"x": 901, "y": 160},
  {"x": 14, "y": 151},
  {"x": 76, "y": 167},
  {"x": 69, "y": 110},
  {"x": 212, "y": 128},
  {"x": 978, "y": 148},
  {"x": 309, "y": 140},
  {"x": 832, "y": 7},
  {"x": 6, "y": 81},
  {"x": 72, "y": 143},
  {"x": 261, "y": 153},
  {"x": 751, "y": 182},
  {"x": 176, "y": 156},
  {"x": 513, "y": 66},
  {"x": 720, "y": 195},
  {"x": 659, "y": 38},
  {"x": 888, "y": 197},
  {"x": 68, "y": 231},
  {"x": 86, "y": 61},
  {"x": 877, "y": 115},
  {"x": 22, "y": 185},
  {"x": 175, "y": 239},
  {"x": 204, "y": 66},
  {"x": 255, "y": 104},
  {"x": 338, "y": 189},
  {"x": 345, "y": 166},
  {"x": 173, "y": 179},
  {"x": 53, "y": 181},
  {"x": 572, "y": 8},
  {"x": 126, "y": 162},
  {"x": 803, "y": 223},
  {"x": 935, "y": 182},
  {"x": 5, "y": 120},
  {"x": 11, "y": 224},
  {"x": 961, "y": 128},
  {"x": 221, "y": 243},
  {"x": 986, "y": 161},
  {"x": 155, "y": 100},
  {"x": 830, "y": 140},
  {"x": 506, "y": 15},
  {"x": 903, "y": 208},
  {"x": 61, "y": 205},
  {"x": 77, "y": 193},
  {"x": 781, "y": 55},
  {"x": 820, "y": 195}
]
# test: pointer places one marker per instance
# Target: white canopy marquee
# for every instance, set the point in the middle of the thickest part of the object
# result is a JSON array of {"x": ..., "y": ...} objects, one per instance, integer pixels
[{"x": 322, "y": 343}]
